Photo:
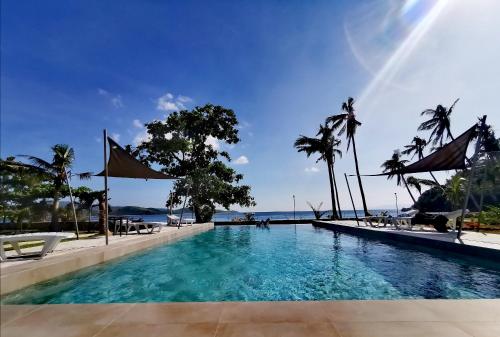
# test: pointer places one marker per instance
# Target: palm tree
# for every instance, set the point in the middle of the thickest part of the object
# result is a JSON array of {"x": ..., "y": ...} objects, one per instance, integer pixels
[
  {"x": 394, "y": 166},
  {"x": 348, "y": 124},
  {"x": 325, "y": 146},
  {"x": 417, "y": 183},
  {"x": 454, "y": 190},
  {"x": 57, "y": 172},
  {"x": 417, "y": 147},
  {"x": 439, "y": 123}
]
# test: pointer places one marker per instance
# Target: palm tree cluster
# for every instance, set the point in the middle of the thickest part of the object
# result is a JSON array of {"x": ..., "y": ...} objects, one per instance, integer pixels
[
  {"x": 326, "y": 145},
  {"x": 439, "y": 125},
  {"x": 55, "y": 173}
]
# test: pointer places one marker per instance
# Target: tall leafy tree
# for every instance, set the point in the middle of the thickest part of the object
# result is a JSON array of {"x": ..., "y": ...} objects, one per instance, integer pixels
[
  {"x": 394, "y": 166},
  {"x": 439, "y": 122},
  {"x": 189, "y": 144},
  {"x": 417, "y": 147},
  {"x": 348, "y": 124},
  {"x": 326, "y": 146},
  {"x": 58, "y": 172}
]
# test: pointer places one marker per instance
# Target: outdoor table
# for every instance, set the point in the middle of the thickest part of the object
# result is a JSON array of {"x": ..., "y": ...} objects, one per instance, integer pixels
[{"x": 114, "y": 219}]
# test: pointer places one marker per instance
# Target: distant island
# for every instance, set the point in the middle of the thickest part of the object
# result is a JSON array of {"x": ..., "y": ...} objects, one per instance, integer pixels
[{"x": 136, "y": 210}]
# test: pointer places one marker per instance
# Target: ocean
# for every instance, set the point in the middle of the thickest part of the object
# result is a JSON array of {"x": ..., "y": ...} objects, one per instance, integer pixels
[{"x": 287, "y": 215}]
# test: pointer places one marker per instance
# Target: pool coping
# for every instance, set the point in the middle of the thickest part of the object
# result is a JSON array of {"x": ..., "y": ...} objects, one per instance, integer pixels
[
  {"x": 16, "y": 277},
  {"x": 444, "y": 318},
  {"x": 410, "y": 237}
]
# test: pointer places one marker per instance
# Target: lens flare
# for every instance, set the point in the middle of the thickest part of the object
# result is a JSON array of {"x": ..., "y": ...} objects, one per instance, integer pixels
[{"x": 421, "y": 17}]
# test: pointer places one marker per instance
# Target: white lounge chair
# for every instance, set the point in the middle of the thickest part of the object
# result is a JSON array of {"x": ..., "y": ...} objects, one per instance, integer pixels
[
  {"x": 174, "y": 220},
  {"x": 404, "y": 219},
  {"x": 452, "y": 217},
  {"x": 51, "y": 240}
]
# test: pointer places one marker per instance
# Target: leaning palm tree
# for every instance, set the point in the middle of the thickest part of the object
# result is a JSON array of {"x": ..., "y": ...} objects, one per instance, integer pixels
[
  {"x": 325, "y": 145},
  {"x": 348, "y": 124},
  {"x": 417, "y": 183},
  {"x": 417, "y": 147},
  {"x": 393, "y": 167},
  {"x": 58, "y": 172},
  {"x": 439, "y": 123}
]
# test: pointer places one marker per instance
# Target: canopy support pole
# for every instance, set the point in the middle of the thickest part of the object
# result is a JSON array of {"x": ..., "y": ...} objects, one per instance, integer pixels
[
  {"x": 72, "y": 204},
  {"x": 352, "y": 200},
  {"x": 471, "y": 174},
  {"x": 182, "y": 210},
  {"x": 106, "y": 225}
]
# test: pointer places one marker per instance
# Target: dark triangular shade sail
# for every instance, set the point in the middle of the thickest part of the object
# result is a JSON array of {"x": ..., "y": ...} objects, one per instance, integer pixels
[
  {"x": 450, "y": 157},
  {"x": 121, "y": 164}
]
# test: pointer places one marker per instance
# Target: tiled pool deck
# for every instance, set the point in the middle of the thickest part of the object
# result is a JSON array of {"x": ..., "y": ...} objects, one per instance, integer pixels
[
  {"x": 443, "y": 318},
  {"x": 472, "y": 243}
]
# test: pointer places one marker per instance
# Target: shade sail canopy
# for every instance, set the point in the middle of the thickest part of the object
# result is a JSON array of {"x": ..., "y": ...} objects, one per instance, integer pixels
[
  {"x": 121, "y": 164},
  {"x": 450, "y": 157}
]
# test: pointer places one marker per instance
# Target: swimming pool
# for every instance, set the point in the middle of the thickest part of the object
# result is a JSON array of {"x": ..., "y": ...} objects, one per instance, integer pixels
[{"x": 285, "y": 262}]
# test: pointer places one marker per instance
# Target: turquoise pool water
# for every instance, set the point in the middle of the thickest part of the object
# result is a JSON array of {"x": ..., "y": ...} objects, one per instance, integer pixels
[{"x": 286, "y": 262}]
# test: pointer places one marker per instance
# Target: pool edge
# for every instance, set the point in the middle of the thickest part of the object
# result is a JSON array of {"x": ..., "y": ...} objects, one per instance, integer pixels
[{"x": 21, "y": 276}]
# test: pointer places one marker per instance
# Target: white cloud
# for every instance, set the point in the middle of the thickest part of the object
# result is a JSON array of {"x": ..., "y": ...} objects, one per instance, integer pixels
[
  {"x": 241, "y": 160},
  {"x": 137, "y": 123},
  {"x": 142, "y": 136},
  {"x": 98, "y": 139},
  {"x": 115, "y": 136},
  {"x": 168, "y": 102},
  {"x": 213, "y": 141},
  {"x": 312, "y": 169},
  {"x": 115, "y": 100}
]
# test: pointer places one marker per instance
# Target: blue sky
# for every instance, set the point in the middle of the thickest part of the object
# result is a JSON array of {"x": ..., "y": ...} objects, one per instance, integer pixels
[{"x": 70, "y": 69}]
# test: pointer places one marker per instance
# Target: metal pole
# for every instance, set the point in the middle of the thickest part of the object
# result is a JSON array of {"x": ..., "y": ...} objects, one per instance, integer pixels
[
  {"x": 183, "y": 206},
  {"x": 105, "y": 132},
  {"x": 397, "y": 208},
  {"x": 72, "y": 204},
  {"x": 471, "y": 175},
  {"x": 171, "y": 197},
  {"x": 294, "y": 207},
  {"x": 352, "y": 200},
  {"x": 182, "y": 212}
]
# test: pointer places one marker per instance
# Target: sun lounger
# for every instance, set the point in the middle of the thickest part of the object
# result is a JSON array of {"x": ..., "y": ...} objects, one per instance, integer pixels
[
  {"x": 51, "y": 240},
  {"x": 452, "y": 217},
  {"x": 380, "y": 219},
  {"x": 173, "y": 220},
  {"x": 404, "y": 220}
]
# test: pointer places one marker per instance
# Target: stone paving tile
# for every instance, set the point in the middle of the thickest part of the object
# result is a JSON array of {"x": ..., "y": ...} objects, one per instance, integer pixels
[
  {"x": 373, "y": 311},
  {"x": 79, "y": 330},
  {"x": 9, "y": 313},
  {"x": 463, "y": 310},
  {"x": 480, "y": 329},
  {"x": 156, "y": 330},
  {"x": 284, "y": 329},
  {"x": 62, "y": 315},
  {"x": 164, "y": 313},
  {"x": 399, "y": 329},
  {"x": 246, "y": 312}
]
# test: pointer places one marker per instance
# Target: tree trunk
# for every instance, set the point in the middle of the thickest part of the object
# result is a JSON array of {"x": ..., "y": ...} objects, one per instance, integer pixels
[
  {"x": 336, "y": 191},
  {"x": 408, "y": 189},
  {"x": 332, "y": 191},
  {"x": 365, "y": 209},
  {"x": 432, "y": 175}
]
